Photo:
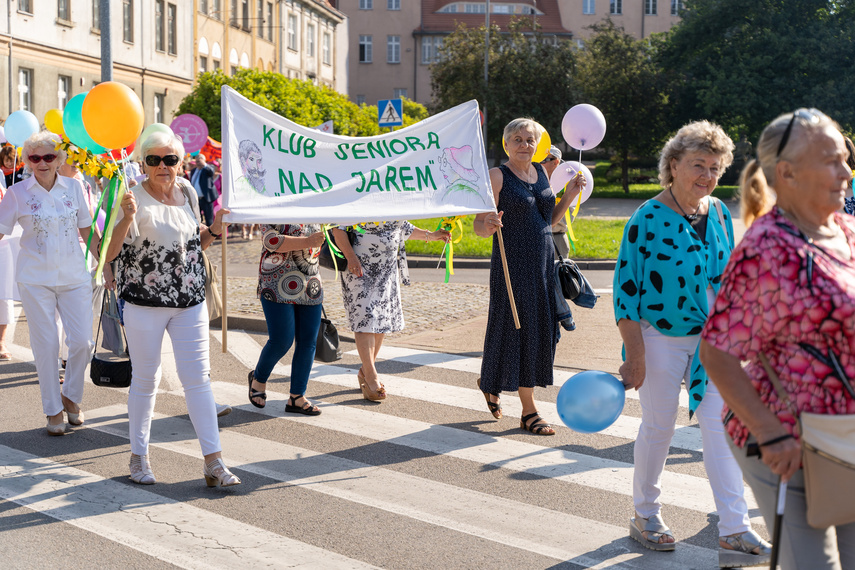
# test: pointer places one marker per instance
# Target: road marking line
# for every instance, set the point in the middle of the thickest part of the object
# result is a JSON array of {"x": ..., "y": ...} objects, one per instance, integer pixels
[
  {"x": 472, "y": 365},
  {"x": 247, "y": 350},
  {"x": 581, "y": 541},
  {"x": 680, "y": 490},
  {"x": 174, "y": 532}
]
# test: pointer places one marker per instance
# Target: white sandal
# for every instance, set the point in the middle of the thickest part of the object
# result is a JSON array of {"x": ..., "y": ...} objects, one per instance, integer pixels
[{"x": 655, "y": 528}]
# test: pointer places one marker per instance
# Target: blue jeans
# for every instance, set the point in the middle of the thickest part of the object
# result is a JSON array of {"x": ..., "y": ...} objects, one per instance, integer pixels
[{"x": 289, "y": 324}]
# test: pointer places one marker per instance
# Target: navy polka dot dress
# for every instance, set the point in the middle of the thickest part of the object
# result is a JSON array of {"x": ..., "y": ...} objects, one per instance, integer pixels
[{"x": 522, "y": 358}]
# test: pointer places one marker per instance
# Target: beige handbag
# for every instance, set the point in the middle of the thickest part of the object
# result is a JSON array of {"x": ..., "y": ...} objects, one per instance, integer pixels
[
  {"x": 212, "y": 289},
  {"x": 828, "y": 460}
]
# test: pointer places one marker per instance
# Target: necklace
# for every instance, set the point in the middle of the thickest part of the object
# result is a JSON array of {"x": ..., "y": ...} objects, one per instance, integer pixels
[
  {"x": 523, "y": 177},
  {"x": 690, "y": 217},
  {"x": 817, "y": 233}
]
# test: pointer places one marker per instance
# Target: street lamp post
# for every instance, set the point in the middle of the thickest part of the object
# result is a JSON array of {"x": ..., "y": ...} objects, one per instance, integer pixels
[{"x": 106, "y": 43}]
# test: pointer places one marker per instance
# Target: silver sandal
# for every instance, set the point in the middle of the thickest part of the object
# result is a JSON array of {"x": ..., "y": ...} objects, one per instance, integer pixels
[
  {"x": 746, "y": 549},
  {"x": 656, "y": 529}
]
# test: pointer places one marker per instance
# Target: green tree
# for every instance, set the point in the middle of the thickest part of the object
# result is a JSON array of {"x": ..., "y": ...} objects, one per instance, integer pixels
[
  {"x": 741, "y": 64},
  {"x": 299, "y": 101},
  {"x": 529, "y": 76},
  {"x": 618, "y": 76}
]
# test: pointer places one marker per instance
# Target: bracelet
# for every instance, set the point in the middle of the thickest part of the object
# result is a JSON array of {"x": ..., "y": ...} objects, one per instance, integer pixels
[
  {"x": 775, "y": 440},
  {"x": 215, "y": 236}
]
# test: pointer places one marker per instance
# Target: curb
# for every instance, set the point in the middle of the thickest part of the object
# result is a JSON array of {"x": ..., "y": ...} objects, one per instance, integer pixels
[
  {"x": 426, "y": 262},
  {"x": 255, "y": 324}
]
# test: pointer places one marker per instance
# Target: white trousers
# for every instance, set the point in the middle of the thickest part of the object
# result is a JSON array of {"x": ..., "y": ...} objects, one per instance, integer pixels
[
  {"x": 7, "y": 311},
  {"x": 668, "y": 361},
  {"x": 188, "y": 330},
  {"x": 74, "y": 304}
]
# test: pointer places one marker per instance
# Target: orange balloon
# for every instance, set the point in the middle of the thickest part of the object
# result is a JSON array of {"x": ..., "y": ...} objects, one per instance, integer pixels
[{"x": 113, "y": 115}]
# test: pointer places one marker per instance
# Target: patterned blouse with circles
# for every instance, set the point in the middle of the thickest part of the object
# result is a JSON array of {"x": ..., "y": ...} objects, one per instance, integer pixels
[{"x": 289, "y": 276}]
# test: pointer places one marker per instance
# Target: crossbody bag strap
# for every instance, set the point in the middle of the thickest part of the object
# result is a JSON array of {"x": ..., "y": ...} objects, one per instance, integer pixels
[{"x": 717, "y": 205}]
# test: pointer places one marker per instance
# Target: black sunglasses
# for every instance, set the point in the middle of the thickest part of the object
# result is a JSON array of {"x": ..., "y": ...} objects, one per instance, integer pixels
[
  {"x": 168, "y": 160},
  {"x": 550, "y": 158},
  {"x": 48, "y": 158},
  {"x": 812, "y": 116}
]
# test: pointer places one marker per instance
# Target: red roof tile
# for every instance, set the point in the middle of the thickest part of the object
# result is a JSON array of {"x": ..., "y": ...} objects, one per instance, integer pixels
[{"x": 433, "y": 21}]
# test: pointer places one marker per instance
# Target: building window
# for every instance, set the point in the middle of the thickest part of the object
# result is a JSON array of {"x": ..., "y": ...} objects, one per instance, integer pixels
[
  {"x": 158, "y": 25},
  {"x": 234, "y": 12},
  {"x": 676, "y": 6},
  {"x": 430, "y": 49},
  {"x": 588, "y": 7},
  {"x": 616, "y": 7},
  {"x": 203, "y": 6},
  {"x": 25, "y": 6},
  {"x": 216, "y": 64},
  {"x": 393, "y": 4},
  {"x": 63, "y": 91},
  {"x": 63, "y": 11},
  {"x": 25, "y": 84},
  {"x": 244, "y": 13},
  {"x": 172, "y": 27},
  {"x": 259, "y": 22},
  {"x": 399, "y": 92},
  {"x": 268, "y": 22},
  {"x": 365, "y": 49},
  {"x": 393, "y": 49},
  {"x": 360, "y": 99},
  {"x": 366, "y": 4},
  {"x": 96, "y": 14},
  {"x": 159, "y": 104},
  {"x": 128, "y": 21},
  {"x": 310, "y": 40},
  {"x": 216, "y": 10},
  {"x": 650, "y": 7},
  {"x": 327, "y": 47},
  {"x": 203, "y": 63},
  {"x": 292, "y": 32}
]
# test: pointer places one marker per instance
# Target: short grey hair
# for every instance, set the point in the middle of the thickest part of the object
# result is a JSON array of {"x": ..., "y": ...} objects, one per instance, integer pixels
[
  {"x": 698, "y": 136},
  {"x": 517, "y": 125},
  {"x": 42, "y": 139},
  {"x": 160, "y": 139}
]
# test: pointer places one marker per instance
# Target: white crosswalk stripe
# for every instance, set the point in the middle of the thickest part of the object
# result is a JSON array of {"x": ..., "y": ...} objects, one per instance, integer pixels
[{"x": 191, "y": 536}]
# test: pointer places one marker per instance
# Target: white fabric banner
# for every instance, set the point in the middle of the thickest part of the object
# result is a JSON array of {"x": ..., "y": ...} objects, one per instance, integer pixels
[{"x": 277, "y": 171}]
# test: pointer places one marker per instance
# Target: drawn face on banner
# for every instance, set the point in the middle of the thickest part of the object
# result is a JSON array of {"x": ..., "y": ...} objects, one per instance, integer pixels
[
  {"x": 456, "y": 165},
  {"x": 252, "y": 165}
]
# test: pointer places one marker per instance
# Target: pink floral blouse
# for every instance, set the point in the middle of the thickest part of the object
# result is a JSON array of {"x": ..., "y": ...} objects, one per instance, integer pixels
[{"x": 791, "y": 300}]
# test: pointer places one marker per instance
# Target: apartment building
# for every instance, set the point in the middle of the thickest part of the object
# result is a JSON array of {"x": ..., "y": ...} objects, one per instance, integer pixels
[{"x": 393, "y": 42}]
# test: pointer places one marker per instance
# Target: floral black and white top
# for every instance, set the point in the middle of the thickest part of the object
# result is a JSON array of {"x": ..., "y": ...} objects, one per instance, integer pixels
[
  {"x": 161, "y": 263},
  {"x": 289, "y": 276}
]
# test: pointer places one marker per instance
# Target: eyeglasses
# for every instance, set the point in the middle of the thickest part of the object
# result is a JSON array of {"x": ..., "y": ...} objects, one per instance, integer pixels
[
  {"x": 168, "y": 160},
  {"x": 48, "y": 158},
  {"x": 812, "y": 116},
  {"x": 550, "y": 158}
]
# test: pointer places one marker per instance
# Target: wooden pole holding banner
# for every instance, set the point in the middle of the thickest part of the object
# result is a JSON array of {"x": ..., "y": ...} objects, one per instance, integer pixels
[
  {"x": 225, "y": 317},
  {"x": 507, "y": 281}
]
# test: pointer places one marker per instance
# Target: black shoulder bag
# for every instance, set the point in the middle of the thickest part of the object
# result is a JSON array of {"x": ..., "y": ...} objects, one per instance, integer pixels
[{"x": 106, "y": 368}]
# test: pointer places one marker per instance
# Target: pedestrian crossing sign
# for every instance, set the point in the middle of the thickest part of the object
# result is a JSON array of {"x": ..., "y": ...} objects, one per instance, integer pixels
[{"x": 390, "y": 112}]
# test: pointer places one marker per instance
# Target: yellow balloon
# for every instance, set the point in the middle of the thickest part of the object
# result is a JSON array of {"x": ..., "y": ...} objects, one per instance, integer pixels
[
  {"x": 20, "y": 150},
  {"x": 53, "y": 121},
  {"x": 543, "y": 145}
]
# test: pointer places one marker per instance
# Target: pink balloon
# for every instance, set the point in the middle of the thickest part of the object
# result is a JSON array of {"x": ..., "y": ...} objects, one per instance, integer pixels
[
  {"x": 583, "y": 127},
  {"x": 565, "y": 172},
  {"x": 192, "y": 130}
]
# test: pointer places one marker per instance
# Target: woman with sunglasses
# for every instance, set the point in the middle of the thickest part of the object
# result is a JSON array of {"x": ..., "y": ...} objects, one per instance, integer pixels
[
  {"x": 159, "y": 241},
  {"x": 789, "y": 293},
  {"x": 52, "y": 274}
]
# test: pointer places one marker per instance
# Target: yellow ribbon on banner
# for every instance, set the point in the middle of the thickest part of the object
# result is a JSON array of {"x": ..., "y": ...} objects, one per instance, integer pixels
[{"x": 449, "y": 223}]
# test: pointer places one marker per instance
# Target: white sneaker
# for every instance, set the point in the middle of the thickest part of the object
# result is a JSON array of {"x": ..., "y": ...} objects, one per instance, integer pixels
[{"x": 223, "y": 409}]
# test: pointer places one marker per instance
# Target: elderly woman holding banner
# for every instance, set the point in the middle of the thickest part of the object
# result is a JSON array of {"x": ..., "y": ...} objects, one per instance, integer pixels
[
  {"x": 520, "y": 359},
  {"x": 162, "y": 281},
  {"x": 51, "y": 273}
]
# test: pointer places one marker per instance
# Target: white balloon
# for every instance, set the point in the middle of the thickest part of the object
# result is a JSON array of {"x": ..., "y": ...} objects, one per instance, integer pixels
[
  {"x": 565, "y": 172},
  {"x": 583, "y": 127}
]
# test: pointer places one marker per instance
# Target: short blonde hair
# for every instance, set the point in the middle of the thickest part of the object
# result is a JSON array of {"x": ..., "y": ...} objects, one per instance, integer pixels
[
  {"x": 45, "y": 140},
  {"x": 758, "y": 177},
  {"x": 517, "y": 125},
  {"x": 699, "y": 136},
  {"x": 160, "y": 139}
]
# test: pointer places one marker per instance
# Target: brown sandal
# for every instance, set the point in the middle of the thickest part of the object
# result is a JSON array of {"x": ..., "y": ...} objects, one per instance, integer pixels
[
  {"x": 538, "y": 426},
  {"x": 494, "y": 407},
  {"x": 367, "y": 392}
]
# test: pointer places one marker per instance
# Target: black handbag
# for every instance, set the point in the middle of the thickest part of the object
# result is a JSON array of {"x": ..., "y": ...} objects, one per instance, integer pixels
[
  {"x": 326, "y": 256},
  {"x": 107, "y": 369},
  {"x": 327, "y": 348}
]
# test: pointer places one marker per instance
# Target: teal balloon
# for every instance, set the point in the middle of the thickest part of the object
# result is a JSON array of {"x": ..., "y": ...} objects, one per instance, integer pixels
[
  {"x": 590, "y": 401},
  {"x": 195, "y": 153},
  {"x": 72, "y": 124},
  {"x": 20, "y": 126}
]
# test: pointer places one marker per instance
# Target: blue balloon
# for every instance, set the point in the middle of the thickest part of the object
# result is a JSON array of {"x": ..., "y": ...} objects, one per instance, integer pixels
[
  {"x": 72, "y": 124},
  {"x": 590, "y": 401},
  {"x": 20, "y": 126}
]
